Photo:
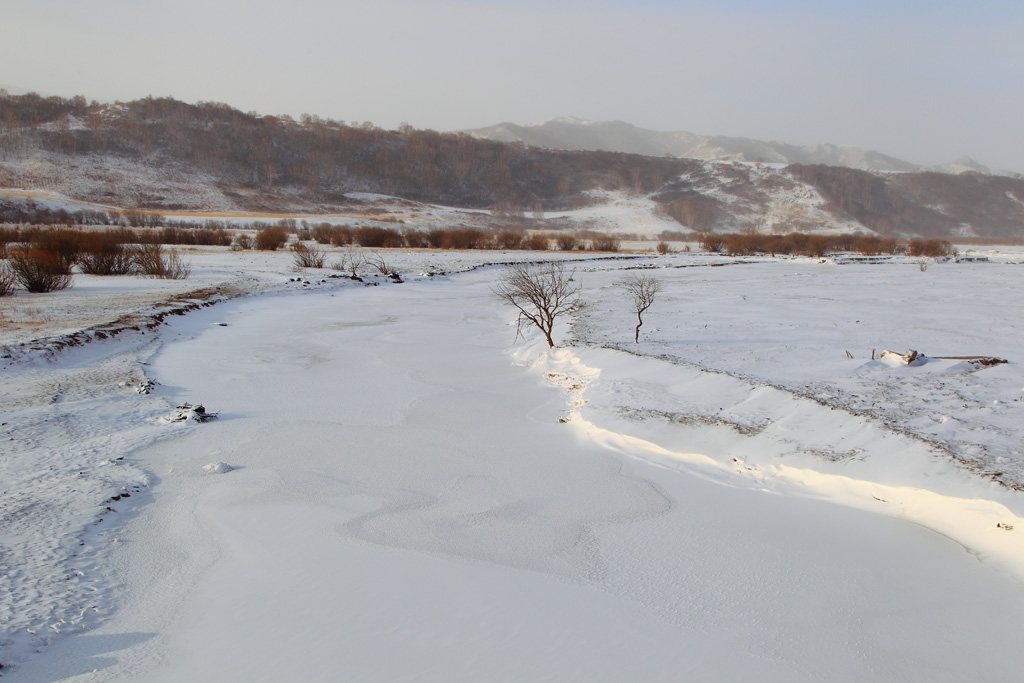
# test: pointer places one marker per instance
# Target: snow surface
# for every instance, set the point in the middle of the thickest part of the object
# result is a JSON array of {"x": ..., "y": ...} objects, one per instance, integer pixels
[{"x": 406, "y": 493}]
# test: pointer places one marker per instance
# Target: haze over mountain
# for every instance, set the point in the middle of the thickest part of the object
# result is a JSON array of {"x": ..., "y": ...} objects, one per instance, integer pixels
[{"x": 573, "y": 133}]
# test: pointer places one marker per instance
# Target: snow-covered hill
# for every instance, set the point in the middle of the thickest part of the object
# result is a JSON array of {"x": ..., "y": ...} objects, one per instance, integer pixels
[{"x": 618, "y": 136}]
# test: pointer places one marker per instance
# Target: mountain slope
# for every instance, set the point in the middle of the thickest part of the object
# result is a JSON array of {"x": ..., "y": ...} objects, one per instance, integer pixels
[
  {"x": 165, "y": 155},
  {"x": 619, "y": 136}
]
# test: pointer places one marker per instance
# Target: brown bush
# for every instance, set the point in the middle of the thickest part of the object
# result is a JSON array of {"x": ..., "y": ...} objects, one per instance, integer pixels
[
  {"x": 341, "y": 236},
  {"x": 323, "y": 233},
  {"x": 416, "y": 239},
  {"x": 662, "y": 248},
  {"x": 509, "y": 239},
  {"x": 271, "y": 238},
  {"x": 205, "y": 236},
  {"x": 105, "y": 253},
  {"x": 374, "y": 237},
  {"x": 536, "y": 243},
  {"x": 308, "y": 257},
  {"x": 242, "y": 241},
  {"x": 7, "y": 280},
  {"x": 871, "y": 245},
  {"x": 62, "y": 243},
  {"x": 566, "y": 242},
  {"x": 436, "y": 238},
  {"x": 933, "y": 247},
  {"x": 462, "y": 238},
  {"x": 606, "y": 243},
  {"x": 151, "y": 260},
  {"x": 8, "y": 236},
  {"x": 709, "y": 241},
  {"x": 39, "y": 270},
  {"x": 176, "y": 267}
]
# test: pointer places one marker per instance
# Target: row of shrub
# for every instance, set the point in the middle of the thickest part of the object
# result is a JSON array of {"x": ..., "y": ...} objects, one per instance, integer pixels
[
  {"x": 16, "y": 212},
  {"x": 799, "y": 244},
  {"x": 44, "y": 260},
  {"x": 375, "y": 237},
  {"x": 74, "y": 239}
]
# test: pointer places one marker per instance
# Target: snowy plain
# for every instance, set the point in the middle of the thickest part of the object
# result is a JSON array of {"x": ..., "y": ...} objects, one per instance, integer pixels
[{"x": 416, "y": 495}]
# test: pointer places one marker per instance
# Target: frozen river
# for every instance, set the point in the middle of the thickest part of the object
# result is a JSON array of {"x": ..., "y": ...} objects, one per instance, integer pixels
[{"x": 405, "y": 505}]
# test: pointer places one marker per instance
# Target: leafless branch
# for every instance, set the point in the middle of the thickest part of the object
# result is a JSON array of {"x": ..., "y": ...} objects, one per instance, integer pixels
[
  {"x": 642, "y": 289},
  {"x": 541, "y": 294}
]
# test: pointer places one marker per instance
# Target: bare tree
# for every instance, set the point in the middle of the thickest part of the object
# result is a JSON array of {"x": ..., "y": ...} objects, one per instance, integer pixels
[
  {"x": 540, "y": 293},
  {"x": 643, "y": 289}
]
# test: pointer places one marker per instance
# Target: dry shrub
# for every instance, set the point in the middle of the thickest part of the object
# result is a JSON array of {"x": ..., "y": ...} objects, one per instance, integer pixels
[
  {"x": 801, "y": 244},
  {"x": 416, "y": 239},
  {"x": 713, "y": 243},
  {"x": 271, "y": 239},
  {"x": 536, "y": 243},
  {"x": 350, "y": 262},
  {"x": 933, "y": 247},
  {"x": 151, "y": 260},
  {"x": 604, "y": 243},
  {"x": 341, "y": 236},
  {"x": 39, "y": 270},
  {"x": 870, "y": 245},
  {"x": 176, "y": 267},
  {"x": 62, "y": 243},
  {"x": 308, "y": 257},
  {"x": 463, "y": 238},
  {"x": 662, "y": 248},
  {"x": 509, "y": 239},
  {"x": 567, "y": 242},
  {"x": 374, "y": 237},
  {"x": 8, "y": 236},
  {"x": 323, "y": 233},
  {"x": 105, "y": 253},
  {"x": 242, "y": 241},
  {"x": 377, "y": 262},
  {"x": 7, "y": 280},
  {"x": 435, "y": 238},
  {"x": 218, "y": 237}
]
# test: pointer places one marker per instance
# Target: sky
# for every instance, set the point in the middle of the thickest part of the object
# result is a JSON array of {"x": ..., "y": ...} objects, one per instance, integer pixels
[{"x": 929, "y": 82}]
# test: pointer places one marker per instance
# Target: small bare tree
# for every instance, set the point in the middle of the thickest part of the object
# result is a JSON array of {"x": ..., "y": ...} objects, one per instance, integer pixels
[
  {"x": 541, "y": 294},
  {"x": 643, "y": 289}
]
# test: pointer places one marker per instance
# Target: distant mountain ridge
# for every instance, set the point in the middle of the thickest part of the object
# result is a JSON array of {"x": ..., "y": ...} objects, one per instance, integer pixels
[{"x": 572, "y": 133}]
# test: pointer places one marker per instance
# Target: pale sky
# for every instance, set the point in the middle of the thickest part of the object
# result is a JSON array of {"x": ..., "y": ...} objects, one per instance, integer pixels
[{"x": 927, "y": 81}]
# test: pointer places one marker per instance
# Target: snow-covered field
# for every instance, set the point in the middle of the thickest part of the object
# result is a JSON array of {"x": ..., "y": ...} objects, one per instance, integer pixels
[{"x": 405, "y": 492}]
